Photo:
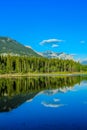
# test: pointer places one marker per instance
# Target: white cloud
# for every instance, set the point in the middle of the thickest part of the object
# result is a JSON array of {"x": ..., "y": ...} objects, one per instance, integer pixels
[
  {"x": 50, "y": 41},
  {"x": 54, "y": 45},
  {"x": 82, "y": 41}
]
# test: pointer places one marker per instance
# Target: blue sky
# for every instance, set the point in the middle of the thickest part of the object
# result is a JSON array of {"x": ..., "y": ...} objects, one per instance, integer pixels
[{"x": 60, "y": 25}]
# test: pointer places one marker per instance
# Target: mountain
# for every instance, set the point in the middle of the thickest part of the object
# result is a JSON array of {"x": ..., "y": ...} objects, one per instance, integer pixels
[
  {"x": 84, "y": 62},
  {"x": 62, "y": 55},
  {"x": 10, "y": 46}
]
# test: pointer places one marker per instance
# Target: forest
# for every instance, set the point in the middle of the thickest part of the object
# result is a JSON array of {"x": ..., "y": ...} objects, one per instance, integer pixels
[{"x": 24, "y": 64}]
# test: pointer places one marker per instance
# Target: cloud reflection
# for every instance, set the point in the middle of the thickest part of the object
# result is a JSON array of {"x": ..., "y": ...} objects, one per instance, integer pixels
[
  {"x": 56, "y": 100},
  {"x": 54, "y": 105}
]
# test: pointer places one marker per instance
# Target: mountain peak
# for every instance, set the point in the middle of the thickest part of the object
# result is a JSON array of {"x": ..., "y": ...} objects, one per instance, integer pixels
[
  {"x": 84, "y": 62},
  {"x": 61, "y": 55}
]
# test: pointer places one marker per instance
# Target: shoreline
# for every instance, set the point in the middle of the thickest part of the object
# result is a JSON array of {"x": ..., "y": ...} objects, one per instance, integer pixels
[{"x": 42, "y": 74}]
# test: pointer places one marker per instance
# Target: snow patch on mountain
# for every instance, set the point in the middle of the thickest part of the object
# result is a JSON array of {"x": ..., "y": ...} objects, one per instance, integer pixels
[{"x": 62, "y": 55}]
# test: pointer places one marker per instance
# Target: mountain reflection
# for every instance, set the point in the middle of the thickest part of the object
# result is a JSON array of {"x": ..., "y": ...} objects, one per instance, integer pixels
[{"x": 15, "y": 91}]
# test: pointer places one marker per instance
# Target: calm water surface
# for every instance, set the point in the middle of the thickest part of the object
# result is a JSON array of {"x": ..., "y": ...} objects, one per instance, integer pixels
[{"x": 43, "y": 103}]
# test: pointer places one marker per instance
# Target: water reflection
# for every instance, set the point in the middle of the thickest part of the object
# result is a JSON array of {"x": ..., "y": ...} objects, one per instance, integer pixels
[
  {"x": 15, "y": 91},
  {"x": 54, "y": 105}
]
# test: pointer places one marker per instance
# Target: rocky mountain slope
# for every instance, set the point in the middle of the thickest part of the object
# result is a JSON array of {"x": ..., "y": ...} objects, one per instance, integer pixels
[
  {"x": 62, "y": 55},
  {"x": 10, "y": 46}
]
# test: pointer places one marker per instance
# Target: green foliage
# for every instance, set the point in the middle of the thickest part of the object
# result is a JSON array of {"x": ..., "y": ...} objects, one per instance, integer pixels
[{"x": 25, "y": 64}]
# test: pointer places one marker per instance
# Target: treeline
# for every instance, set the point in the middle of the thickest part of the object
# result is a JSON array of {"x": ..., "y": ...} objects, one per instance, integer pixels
[{"x": 24, "y": 64}]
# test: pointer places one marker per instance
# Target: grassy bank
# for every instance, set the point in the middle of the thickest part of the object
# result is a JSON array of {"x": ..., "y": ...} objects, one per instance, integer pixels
[{"x": 42, "y": 74}]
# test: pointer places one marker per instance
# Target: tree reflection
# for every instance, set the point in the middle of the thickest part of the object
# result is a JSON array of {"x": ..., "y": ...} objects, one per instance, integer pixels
[{"x": 15, "y": 91}]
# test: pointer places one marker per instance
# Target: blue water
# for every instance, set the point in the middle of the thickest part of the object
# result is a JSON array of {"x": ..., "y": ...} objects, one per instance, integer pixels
[{"x": 64, "y": 109}]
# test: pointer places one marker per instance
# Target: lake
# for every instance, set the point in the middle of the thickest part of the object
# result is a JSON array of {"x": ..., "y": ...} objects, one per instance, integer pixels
[{"x": 43, "y": 103}]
